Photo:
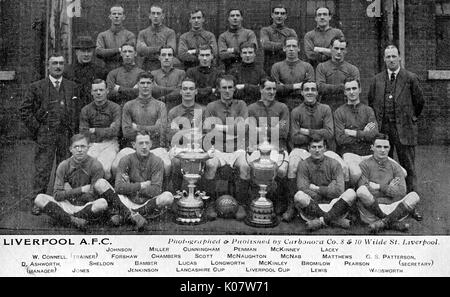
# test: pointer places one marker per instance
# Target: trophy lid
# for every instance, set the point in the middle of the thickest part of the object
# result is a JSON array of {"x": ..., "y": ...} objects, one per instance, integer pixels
[
  {"x": 265, "y": 147},
  {"x": 194, "y": 155}
]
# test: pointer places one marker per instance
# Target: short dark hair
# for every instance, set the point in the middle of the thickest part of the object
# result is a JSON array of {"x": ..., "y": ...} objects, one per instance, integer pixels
[
  {"x": 166, "y": 47},
  {"x": 56, "y": 54},
  {"x": 156, "y": 6},
  {"x": 195, "y": 10},
  {"x": 265, "y": 79},
  {"x": 392, "y": 46},
  {"x": 291, "y": 38},
  {"x": 98, "y": 81},
  {"x": 187, "y": 78},
  {"x": 279, "y": 5},
  {"x": 205, "y": 47},
  {"x": 143, "y": 133},
  {"x": 306, "y": 81},
  {"x": 340, "y": 39},
  {"x": 78, "y": 137},
  {"x": 234, "y": 8},
  {"x": 129, "y": 43},
  {"x": 145, "y": 74},
  {"x": 350, "y": 79},
  {"x": 247, "y": 44},
  {"x": 381, "y": 136},
  {"x": 317, "y": 138},
  {"x": 226, "y": 77},
  {"x": 326, "y": 7}
]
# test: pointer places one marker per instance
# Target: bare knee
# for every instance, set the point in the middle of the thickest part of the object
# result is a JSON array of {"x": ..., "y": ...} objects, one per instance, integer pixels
[
  {"x": 102, "y": 185},
  {"x": 99, "y": 205},
  {"x": 349, "y": 196},
  {"x": 42, "y": 200},
  {"x": 244, "y": 170},
  {"x": 211, "y": 168},
  {"x": 364, "y": 195},
  {"x": 164, "y": 199},
  {"x": 411, "y": 200},
  {"x": 301, "y": 199}
]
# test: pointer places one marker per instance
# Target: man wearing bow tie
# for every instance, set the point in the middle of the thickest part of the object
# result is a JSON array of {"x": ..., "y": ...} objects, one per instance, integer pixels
[
  {"x": 397, "y": 99},
  {"x": 50, "y": 111}
]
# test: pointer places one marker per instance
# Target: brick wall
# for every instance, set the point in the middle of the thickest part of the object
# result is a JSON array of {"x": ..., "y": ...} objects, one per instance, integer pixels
[
  {"x": 25, "y": 43},
  {"x": 420, "y": 48},
  {"x": 22, "y": 49}
]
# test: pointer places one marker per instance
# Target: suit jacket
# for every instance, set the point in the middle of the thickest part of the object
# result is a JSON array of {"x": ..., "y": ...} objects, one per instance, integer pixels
[
  {"x": 409, "y": 103},
  {"x": 35, "y": 107}
]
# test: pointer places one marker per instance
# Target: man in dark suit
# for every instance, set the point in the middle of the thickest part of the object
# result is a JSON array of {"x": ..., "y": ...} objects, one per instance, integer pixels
[
  {"x": 50, "y": 111},
  {"x": 397, "y": 99},
  {"x": 84, "y": 70}
]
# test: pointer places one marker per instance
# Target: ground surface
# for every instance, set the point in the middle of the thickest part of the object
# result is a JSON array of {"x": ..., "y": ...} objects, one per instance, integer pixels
[{"x": 16, "y": 172}]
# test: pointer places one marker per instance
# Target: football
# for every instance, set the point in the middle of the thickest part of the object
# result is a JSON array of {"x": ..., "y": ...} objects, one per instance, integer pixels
[{"x": 226, "y": 206}]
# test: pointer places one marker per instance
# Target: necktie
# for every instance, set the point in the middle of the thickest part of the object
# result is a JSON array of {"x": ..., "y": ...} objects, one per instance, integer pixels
[
  {"x": 57, "y": 85},
  {"x": 392, "y": 76}
]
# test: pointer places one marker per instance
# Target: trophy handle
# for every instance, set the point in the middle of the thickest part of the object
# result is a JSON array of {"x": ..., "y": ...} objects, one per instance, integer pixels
[{"x": 284, "y": 159}]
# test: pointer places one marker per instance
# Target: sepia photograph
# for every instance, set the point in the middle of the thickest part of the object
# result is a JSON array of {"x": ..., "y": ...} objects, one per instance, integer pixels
[{"x": 224, "y": 137}]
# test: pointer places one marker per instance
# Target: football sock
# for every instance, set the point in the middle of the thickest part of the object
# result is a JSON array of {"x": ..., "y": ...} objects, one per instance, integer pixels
[
  {"x": 336, "y": 211},
  {"x": 54, "y": 211}
]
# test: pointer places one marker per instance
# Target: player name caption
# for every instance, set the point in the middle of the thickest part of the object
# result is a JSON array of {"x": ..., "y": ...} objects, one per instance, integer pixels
[{"x": 146, "y": 255}]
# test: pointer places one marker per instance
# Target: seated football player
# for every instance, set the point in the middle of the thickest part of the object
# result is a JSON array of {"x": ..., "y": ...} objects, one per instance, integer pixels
[
  {"x": 382, "y": 199},
  {"x": 321, "y": 200},
  {"x": 145, "y": 113},
  {"x": 225, "y": 126},
  {"x": 100, "y": 120},
  {"x": 184, "y": 121},
  {"x": 309, "y": 119},
  {"x": 269, "y": 119},
  {"x": 78, "y": 189},
  {"x": 139, "y": 184}
]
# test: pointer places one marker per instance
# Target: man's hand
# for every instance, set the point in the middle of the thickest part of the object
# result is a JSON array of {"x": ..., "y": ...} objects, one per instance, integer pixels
[
  {"x": 222, "y": 128},
  {"x": 86, "y": 189},
  {"x": 134, "y": 126},
  {"x": 230, "y": 50},
  {"x": 192, "y": 51},
  {"x": 67, "y": 187},
  {"x": 304, "y": 131},
  {"x": 314, "y": 188},
  {"x": 350, "y": 132},
  {"x": 261, "y": 129},
  {"x": 240, "y": 86},
  {"x": 174, "y": 126},
  {"x": 116, "y": 88},
  {"x": 92, "y": 130},
  {"x": 322, "y": 50},
  {"x": 297, "y": 86},
  {"x": 374, "y": 186},
  {"x": 370, "y": 126},
  {"x": 395, "y": 182},
  {"x": 145, "y": 184}
]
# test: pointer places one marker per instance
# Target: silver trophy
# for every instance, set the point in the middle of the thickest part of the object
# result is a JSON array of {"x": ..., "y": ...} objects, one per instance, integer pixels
[
  {"x": 190, "y": 205},
  {"x": 263, "y": 172}
]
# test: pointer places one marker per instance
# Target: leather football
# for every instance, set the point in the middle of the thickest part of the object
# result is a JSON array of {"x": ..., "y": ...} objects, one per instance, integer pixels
[{"x": 226, "y": 206}]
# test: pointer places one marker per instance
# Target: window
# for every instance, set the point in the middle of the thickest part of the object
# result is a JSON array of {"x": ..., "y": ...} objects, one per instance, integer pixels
[{"x": 443, "y": 34}]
